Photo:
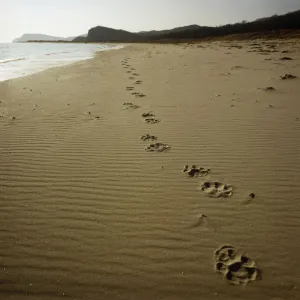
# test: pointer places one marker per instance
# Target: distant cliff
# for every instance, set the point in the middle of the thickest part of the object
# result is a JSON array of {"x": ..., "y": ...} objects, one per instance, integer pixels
[
  {"x": 41, "y": 37},
  {"x": 36, "y": 36},
  {"x": 104, "y": 34}
]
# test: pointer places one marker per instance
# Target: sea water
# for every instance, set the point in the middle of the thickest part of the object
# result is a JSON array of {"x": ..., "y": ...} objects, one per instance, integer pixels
[{"x": 21, "y": 59}]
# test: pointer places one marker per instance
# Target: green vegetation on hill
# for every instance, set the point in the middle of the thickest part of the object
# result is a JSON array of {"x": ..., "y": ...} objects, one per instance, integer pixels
[
  {"x": 284, "y": 22},
  {"x": 290, "y": 21},
  {"x": 264, "y": 27}
]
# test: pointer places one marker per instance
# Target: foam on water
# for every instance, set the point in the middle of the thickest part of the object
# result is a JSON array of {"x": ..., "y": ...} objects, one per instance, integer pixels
[{"x": 21, "y": 59}]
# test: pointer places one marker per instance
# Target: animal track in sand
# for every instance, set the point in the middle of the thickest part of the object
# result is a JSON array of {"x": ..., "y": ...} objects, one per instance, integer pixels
[
  {"x": 269, "y": 89},
  {"x": 286, "y": 58},
  {"x": 130, "y": 88},
  {"x": 129, "y": 105},
  {"x": 194, "y": 171},
  {"x": 157, "y": 147},
  {"x": 236, "y": 68},
  {"x": 288, "y": 76},
  {"x": 131, "y": 78},
  {"x": 152, "y": 121},
  {"x": 217, "y": 189},
  {"x": 148, "y": 115},
  {"x": 235, "y": 267},
  {"x": 148, "y": 137},
  {"x": 129, "y": 71},
  {"x": 138, "y": 82},
  {"x": 149, "y": 118},
  {"x": 140, "y": 95},
  {"x": 135, "y": 74}
]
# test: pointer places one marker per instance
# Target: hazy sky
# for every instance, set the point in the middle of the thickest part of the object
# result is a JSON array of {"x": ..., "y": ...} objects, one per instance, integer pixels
[{"x": 72, "y": 17}]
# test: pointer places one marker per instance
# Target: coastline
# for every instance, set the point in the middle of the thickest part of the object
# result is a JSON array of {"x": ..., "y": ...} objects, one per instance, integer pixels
[
  {"x": 84, "y": 203},
  {"x": 33, "y": 58}
]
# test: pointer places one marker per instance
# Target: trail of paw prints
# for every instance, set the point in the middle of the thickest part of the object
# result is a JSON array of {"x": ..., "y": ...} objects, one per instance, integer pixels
[
  {"x": 195, "y": 171},
  {"x": 138, "y": 95},
  {"x": 235, "y": 267},
  {"x": 148, "y": 137},
  {"x": 129, "y": 105},
  {"x": 154, "y": 147},
  {"x": 157, "y": 147},
  {"x": 216, "y": 189},
  {"x": 150, "y": 118},
  {"x": 125, "y": 63}
]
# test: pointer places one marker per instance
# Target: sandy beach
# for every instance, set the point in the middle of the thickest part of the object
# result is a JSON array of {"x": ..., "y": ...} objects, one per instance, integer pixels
[{"x": 94, "y": 200}]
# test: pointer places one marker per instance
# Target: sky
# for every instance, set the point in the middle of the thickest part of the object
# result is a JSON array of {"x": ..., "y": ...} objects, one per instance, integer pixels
[{"x": 65, "y": 18}]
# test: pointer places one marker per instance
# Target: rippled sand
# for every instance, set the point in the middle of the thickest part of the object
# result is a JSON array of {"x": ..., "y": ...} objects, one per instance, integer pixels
[{"x": 87, "y": 213}]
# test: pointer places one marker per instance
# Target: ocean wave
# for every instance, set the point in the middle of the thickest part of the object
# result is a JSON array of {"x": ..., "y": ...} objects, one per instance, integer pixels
[
  {"x": 5, "y": 61},
  {"x": 37, "y": 58}
]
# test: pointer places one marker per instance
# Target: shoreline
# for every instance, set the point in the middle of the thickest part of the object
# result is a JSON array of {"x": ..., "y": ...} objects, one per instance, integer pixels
[
  {"x": 95, "y": 200},
  {"x": 49, "y": 64}
]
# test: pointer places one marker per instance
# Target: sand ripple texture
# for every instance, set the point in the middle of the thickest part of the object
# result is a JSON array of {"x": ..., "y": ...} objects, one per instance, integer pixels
[{"x": 87, "y": 213}]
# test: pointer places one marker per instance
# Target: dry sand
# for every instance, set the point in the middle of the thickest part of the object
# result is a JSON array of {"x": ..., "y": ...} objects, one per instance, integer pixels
[{"x": 87, "y": 213}]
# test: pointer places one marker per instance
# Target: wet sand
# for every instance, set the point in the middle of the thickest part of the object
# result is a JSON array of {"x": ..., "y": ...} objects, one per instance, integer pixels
[{"x": 95, "y": 203}]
